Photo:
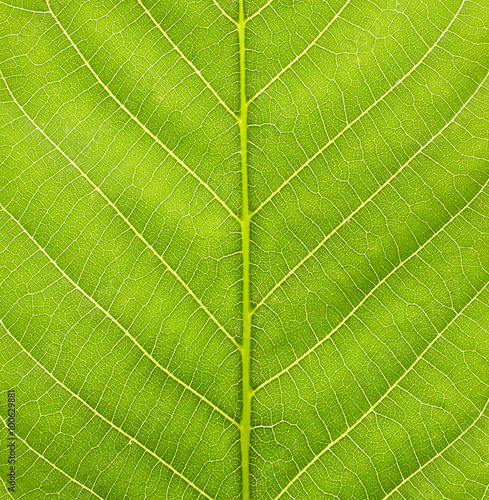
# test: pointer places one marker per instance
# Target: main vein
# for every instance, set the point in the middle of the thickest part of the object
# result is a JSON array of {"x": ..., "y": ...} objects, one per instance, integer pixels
[{"x": 245, "y": 239}]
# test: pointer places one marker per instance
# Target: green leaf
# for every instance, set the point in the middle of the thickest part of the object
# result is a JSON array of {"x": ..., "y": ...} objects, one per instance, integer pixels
[{"x": 244, "y": 249}]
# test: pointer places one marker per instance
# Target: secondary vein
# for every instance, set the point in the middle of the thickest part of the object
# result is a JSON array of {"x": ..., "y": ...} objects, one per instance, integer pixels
[
  {"x": 188, "y": 61},
  {"x": 117, "y": 323},
  {"x": 120, "y": 214},
  {"x": 51, "y": 464},
  {"x": 136, "y": 119},
  {"x": 105, "y": 419}
]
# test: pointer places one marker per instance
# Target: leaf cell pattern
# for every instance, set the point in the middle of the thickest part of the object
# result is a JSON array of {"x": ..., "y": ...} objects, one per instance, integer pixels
[{"x": 245, "y": 248}]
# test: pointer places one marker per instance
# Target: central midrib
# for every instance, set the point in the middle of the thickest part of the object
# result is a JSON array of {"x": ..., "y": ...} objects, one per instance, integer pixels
[{"x": 245, "y": 426}]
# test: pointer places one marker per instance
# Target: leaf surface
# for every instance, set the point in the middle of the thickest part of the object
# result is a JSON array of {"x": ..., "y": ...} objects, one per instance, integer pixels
[{"x": 245, "y": 248}]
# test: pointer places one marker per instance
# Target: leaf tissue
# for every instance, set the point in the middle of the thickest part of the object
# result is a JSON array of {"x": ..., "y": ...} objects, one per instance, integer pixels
[{"x": 244, "y": 249}]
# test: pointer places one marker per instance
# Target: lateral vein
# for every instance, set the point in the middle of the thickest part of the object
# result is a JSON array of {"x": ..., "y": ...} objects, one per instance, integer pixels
[
  {"x": 106, "y": 420},
  {"x": 40, "y": 455},
  {"x": 263, "y": 7},
  {"x": 224, "y": 13},
  {"x": 16, "y": 7},
  {"x": 189, "y": 62},
  {"x": 291, "y": 63},
  {"x": 369, "y": 294},
  {"x": 116, "y": 322},
  {"x": 133, "y": 117},
  {"x": 360, "y": 116},
  {"x": 120, "y": 214},
  {"x": 372, "y": 408},
  {"x": 449, "y": 445},
  {"x": 370, "y": 198}
]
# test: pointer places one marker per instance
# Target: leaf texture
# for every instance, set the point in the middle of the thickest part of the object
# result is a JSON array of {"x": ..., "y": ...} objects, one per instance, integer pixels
[{"x": 245, "y": 248}]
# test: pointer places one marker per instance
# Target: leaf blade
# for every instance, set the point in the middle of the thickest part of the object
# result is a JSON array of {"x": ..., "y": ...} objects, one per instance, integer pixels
[{"x": 244, "y": 247}]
